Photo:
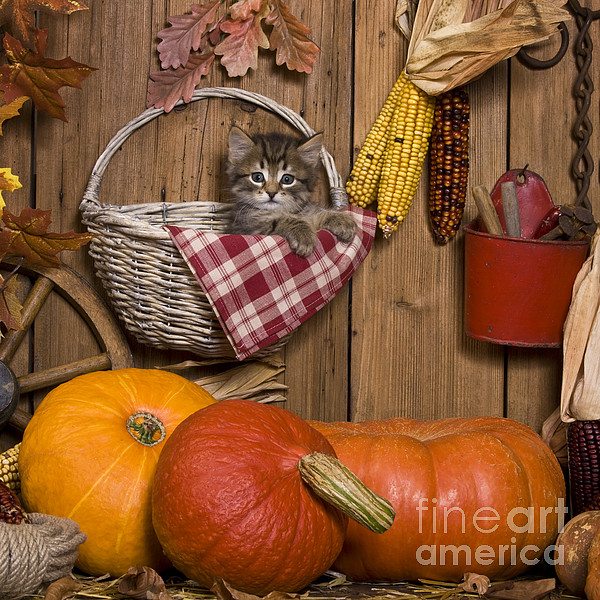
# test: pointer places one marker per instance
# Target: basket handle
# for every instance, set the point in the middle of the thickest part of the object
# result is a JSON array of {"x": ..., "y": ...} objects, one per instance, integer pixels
[{"x": 337, "y": 192}]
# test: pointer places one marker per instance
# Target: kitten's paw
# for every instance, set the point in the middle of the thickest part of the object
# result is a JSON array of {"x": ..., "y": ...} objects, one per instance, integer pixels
[
  {"x": 342, "y": 225},
  {"x": 303, "y": 244}
]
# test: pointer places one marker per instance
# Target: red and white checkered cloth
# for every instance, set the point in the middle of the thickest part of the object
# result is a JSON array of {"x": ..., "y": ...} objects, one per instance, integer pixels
[{"x": 259, "y": 289}]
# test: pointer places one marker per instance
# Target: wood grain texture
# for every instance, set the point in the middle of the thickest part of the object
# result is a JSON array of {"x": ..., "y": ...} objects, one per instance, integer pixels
[{"x": 392, "y": 343}]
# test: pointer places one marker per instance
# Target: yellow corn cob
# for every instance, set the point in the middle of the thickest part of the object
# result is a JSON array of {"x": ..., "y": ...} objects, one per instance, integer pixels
[
  {"x": 364, "y": 177},
  {"x": 407, "y": 147},
  {"x": 9, "y": 473}
]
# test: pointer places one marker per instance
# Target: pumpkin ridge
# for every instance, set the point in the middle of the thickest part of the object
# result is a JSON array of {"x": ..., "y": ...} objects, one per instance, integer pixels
[{"x": 100, "y": 479}]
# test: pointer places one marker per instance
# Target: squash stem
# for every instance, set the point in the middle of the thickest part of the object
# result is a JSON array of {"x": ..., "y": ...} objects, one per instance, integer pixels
[{"x": 336, "y": 484}]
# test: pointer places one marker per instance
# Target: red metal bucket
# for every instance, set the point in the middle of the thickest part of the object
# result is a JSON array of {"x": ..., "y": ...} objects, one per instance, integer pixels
[{"x": 518, "y": 290}]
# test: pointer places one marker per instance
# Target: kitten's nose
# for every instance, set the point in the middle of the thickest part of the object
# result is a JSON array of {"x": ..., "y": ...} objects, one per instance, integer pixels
[{"x": 271, "y": 193}]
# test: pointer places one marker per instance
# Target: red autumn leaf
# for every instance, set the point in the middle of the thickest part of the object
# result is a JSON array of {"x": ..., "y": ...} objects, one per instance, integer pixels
[
  {"x": 187, "y": 32},
  {"x": 289, "y": 39},
  {"x": 32, "y": 74},
  {"x": 21, "y": 14},
  {"x": 10, "y": 306},
  {"x": 168, "y": 86},
  {"x": 239, "y": 50},
  {"x": 32, "y": 240}
]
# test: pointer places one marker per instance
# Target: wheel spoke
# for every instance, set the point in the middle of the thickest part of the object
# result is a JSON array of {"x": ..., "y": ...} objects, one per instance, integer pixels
[
  {"x": 56, "y": 375},
  {"x": 31, "y": 306}
]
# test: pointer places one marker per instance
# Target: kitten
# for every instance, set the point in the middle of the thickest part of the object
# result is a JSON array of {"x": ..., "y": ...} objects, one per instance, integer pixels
[{"x": 271, "y": 181}]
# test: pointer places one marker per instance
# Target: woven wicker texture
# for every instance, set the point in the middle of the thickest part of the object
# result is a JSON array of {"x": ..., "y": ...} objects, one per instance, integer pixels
[{"x": 148, "y": 283}]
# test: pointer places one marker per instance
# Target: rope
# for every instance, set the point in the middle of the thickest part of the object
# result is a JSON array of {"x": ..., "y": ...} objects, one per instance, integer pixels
[{"x": 36, "y": 554}]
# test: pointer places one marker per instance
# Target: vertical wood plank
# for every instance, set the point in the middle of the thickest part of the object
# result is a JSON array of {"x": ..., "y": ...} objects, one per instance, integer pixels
[
  {"x": 410, "y": 356},
  {"x": 543, "y": 114}
]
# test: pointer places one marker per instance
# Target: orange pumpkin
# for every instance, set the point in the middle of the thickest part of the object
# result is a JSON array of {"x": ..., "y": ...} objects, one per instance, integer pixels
[
  {"x": 484, "y": 495},
  {"x": 90, "y": 452}
]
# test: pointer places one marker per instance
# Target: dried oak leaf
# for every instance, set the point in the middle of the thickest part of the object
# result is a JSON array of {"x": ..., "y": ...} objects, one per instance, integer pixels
[
  {"x": 224, "y": 591},
  {"x": 62, "y": 588},
  {"x": 31, "y": 73},
  {"x": 289, "y": 39},
  {"x": 239, "y": 50},
  {"x": 243, "y": 9},
  {"x": 472, "y": 582},
  {"x": 21, "y": 14},
  {"x": 143, "y": 583},
  {"x": 10, "y": 306},
  {"x": 8, "y": 111},
  {"x": 31, "y": 240},
  {"x": 186, "y": 33},
  {"x": 168, "y": 86}
]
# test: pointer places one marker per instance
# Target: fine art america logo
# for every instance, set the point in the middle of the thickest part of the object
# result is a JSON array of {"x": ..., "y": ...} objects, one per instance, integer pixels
[{"x": 486, "y": 520}]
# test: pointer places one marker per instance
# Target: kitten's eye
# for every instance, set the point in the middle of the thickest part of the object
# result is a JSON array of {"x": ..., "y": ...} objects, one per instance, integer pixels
[
  {"x": 257, "y": 177},
  {"x": 287, "y": 179}
]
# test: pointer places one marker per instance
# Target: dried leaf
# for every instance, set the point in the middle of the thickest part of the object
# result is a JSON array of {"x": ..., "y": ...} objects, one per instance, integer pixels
[
  {"x": 8, "y": 183},
  {"x": 523, "y": 590},
  {"x": 8, "y": 111},
  {"x": 223, "y": 591},
  {"x": 31, "y": 239},
  {"x": 472, "y": 582},
  {"x": 169, "y": 86},
  {"x": 62, "y": 588},
  {"x": 20, "y": 14},
  {"x": 187, "y": 32},
  {"x": 32, "y": 74},
  {"x": 10, "y": 306},
  {"x": 243, "y": 9},
  {"x": 289, "y": 39},
  {"x": 239, "y": 50},
  {"x": 143, "y": 583},
  {"x": 445, "y": 51}
]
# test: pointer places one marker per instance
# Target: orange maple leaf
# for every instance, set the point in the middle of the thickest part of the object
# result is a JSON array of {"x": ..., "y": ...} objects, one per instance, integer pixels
[
  {"x": 289, "y": 39},
  {"x": 10, "y": 306},
  {"x": 31, "y": 239},
  {"x": 8, "y": 111},
  {"x": 21, "y": 14},
  {"x": 169, "y": 86},
  {"x": 31, "y": 74}
]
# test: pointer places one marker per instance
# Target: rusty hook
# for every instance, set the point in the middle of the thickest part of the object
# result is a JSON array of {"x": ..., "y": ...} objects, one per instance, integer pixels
[{"x": 536, "y": 63}]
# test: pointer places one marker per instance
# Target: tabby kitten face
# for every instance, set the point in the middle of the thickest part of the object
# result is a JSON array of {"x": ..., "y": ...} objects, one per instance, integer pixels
[{"x": 272, "y": 172}]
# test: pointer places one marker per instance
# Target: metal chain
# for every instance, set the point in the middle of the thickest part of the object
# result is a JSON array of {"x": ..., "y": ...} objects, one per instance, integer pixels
[{"x": 582, "y": 165}]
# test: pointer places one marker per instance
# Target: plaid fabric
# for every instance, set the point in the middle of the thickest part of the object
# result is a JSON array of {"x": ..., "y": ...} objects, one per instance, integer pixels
[{"x": 259, "y": 289}]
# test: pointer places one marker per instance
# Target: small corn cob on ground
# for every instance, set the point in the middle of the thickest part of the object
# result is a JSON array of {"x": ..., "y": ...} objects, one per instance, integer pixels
[
  {"x": 11, "y": 510},
  {"x": 407, "y": 145},
  {"x": 9, "y": 472},
  {"x": 366, "y": 171},
  {"x": 449, "y": 163}
]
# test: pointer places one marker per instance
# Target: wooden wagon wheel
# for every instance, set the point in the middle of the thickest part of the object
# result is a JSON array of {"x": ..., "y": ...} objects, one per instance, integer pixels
[{"x": 83, "y": 297}]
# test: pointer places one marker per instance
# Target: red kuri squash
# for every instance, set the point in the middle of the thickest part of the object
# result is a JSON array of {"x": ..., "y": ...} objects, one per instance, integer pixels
[
  {"x": 230, "y": 500},
  {"x": 90, "y": 451},
  {"x": 484, "y": 495}
]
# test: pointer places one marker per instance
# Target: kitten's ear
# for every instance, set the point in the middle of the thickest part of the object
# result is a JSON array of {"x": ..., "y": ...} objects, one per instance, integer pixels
[
  {"x": 309, "y": 150},
  {"x": 239, "y": 144}
]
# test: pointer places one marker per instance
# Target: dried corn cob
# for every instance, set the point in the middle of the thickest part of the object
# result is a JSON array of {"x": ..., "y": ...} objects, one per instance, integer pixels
[
  {"x": 449, "y": 163},
  {"x": 11, "y": 510},
  {"x": 583, "y": 442},
  {"x": 9, "y": 473},
  {"x": 364, "y": 177},
  {"x": 404, "y": 156}
]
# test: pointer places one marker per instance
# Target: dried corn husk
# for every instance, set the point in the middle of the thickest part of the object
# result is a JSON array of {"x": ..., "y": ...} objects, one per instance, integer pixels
[
  {"x": 580, "y": 389},
  {"x": 453, "y": 42}
]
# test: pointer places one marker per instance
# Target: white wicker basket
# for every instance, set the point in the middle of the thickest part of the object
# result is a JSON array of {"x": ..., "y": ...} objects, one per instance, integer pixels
[{"x": 149, "y": 285}]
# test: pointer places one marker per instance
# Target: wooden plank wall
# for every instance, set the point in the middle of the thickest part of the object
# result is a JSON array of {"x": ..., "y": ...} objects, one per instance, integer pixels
[{"x": 392, "y": 343}]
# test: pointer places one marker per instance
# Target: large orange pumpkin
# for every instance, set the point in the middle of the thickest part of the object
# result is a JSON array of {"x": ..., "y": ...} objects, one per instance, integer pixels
[
  {"x": 484, "y": 495},
  {"x": 230, "y": 500},
  {"x": 90, "y": 452}
]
